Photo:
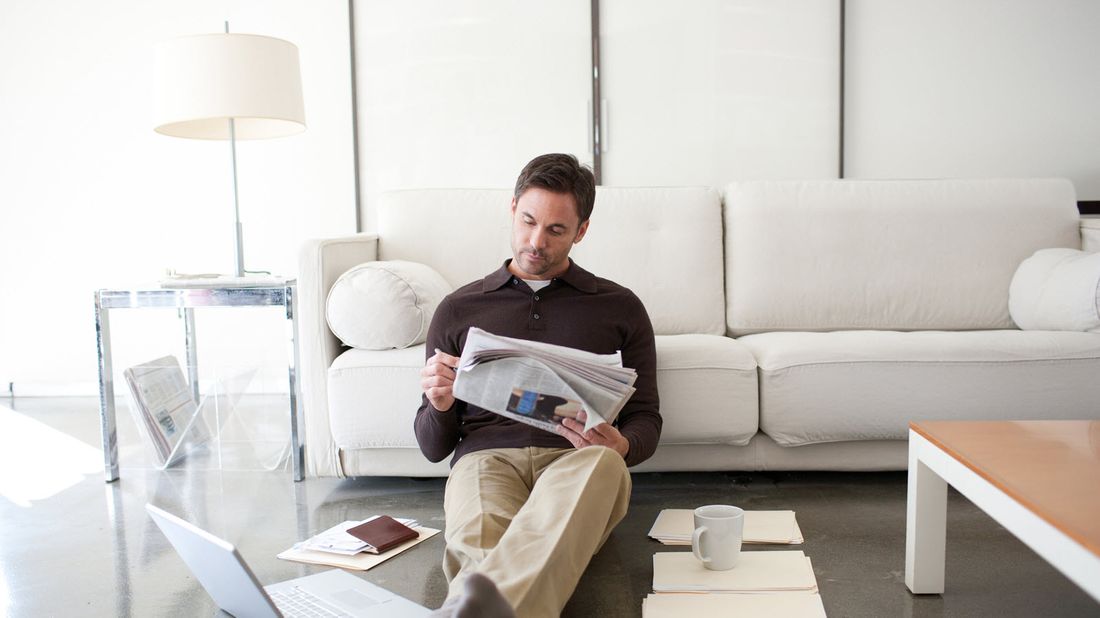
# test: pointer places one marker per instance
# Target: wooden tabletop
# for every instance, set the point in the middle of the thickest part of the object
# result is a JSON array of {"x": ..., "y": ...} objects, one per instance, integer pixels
[{"x": 1050, "y": 467}]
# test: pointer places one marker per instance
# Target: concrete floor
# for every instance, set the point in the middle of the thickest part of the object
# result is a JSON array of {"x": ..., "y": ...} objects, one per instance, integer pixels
[{"x": 90, "y": 550}]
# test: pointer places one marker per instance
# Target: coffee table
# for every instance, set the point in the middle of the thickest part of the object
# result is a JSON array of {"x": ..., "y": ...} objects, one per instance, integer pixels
[{"x": 1038, "y": 479}]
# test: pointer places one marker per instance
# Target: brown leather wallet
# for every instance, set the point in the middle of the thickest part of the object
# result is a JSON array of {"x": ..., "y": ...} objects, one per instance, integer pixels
[{"x": 383, "y": 533}]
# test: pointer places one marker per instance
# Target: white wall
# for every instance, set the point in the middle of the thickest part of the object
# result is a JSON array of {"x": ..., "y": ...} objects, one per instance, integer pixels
[
  {"x": 91, "y": 197},
  {"x": 463, "y": 94},
  {"x": 704, "y": 92},
  {"x": 978, "y": 88}
]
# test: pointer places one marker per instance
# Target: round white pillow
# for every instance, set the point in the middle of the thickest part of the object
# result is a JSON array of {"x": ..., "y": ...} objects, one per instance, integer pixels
[
  {"x": 1057, "y": 289},
  {"x": 384, "y": 304}
]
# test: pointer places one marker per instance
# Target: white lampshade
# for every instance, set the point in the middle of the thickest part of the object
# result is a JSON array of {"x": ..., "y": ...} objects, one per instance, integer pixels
[{"x": 204, "y": 80}]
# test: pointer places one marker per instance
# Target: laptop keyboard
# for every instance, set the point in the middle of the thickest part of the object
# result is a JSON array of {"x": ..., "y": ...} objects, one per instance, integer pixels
[{"x": 297, "y": 602}]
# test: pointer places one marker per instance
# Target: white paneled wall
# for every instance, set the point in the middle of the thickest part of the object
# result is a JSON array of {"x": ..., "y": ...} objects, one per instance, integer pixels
[
  {"x": 91, "y": 197},
  {"x": 942, "y": 88},
  {"x": 708, "y": 91},
  {"x": 462, "y": 94}
]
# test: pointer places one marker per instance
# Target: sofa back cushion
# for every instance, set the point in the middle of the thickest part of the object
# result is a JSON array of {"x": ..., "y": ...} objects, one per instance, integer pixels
[
  {"x": 889, "y": 255},
  {"x": 665, "y": 244}
]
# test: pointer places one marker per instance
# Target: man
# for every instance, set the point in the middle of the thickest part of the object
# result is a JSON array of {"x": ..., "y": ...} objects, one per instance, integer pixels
[{"x": 525, "y": 507}]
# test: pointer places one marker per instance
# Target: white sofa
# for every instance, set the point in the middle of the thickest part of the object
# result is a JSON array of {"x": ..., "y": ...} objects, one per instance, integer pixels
[{"x": 799, "y": 325}]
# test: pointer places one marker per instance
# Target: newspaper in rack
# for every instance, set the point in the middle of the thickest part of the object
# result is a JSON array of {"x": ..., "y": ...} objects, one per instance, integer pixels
[
  {"x": 164, "y": 408},
  {"x": 539, "y": 383}
]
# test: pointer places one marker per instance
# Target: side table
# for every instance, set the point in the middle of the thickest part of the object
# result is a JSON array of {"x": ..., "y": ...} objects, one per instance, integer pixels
[{"x": 186, "y": 299}]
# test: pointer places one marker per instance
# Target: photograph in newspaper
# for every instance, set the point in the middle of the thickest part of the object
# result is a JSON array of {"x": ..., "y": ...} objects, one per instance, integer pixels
[
  {"x": 540, "y": 384},
  {"x": 541, "y": 406}
]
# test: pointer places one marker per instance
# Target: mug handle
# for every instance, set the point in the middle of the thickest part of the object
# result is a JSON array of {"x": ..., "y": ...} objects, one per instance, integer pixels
[{"x": 696, "y": 537}]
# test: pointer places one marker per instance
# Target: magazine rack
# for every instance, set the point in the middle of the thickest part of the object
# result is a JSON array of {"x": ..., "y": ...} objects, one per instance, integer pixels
[{"x": 217, "y": 430}]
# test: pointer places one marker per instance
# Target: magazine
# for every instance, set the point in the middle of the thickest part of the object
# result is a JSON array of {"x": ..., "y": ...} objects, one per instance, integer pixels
[
  {"x": 164, "y": 408},
  {"x": 539, "y": 383}
]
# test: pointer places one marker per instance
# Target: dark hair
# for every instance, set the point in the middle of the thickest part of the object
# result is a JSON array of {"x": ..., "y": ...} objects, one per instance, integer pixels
[{"x": 560, "y": 173}]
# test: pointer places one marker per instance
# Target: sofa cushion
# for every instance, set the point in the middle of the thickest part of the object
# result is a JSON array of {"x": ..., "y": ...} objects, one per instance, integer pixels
[
  {"x": 1057, "y": 289},
  {"x": 665, "y": 244},
  {"x": 383, "y": 305},
  {"x": 373, "y": 396},
  {"x": 708, "y": 390},
  {"x": 868, "y": 385},
  {"x": 707, "y": 385},
  {"x": 890, "y": 255}
]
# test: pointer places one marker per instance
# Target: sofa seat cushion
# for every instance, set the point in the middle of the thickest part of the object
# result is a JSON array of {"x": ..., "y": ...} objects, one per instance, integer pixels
[
  {"x": 707, "y": 385},
  {"x": 708, "y": 390},
  {"x": 373, "y": 396},
  {"x": 868, "y": 385}
]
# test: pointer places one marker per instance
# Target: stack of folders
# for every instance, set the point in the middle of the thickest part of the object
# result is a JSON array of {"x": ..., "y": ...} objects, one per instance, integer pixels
[
  {"x": 773, "y": 583},
  {"x": 674, "y": 527}
]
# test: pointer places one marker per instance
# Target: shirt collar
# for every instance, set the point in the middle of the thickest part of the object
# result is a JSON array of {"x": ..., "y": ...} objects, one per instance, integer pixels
[{"x": 575, "y": 276}]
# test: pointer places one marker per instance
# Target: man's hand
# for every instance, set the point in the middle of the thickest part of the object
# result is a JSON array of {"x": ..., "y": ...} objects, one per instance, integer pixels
[
  {"x": 603, "y": 434},
  {"x": 437, "y": 380}
]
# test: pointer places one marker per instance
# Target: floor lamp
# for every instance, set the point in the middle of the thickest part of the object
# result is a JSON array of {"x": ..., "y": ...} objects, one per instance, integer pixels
[{"x": 229, "y": 87}]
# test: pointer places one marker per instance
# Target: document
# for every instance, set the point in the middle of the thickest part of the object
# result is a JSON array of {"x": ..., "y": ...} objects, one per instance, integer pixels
[
  {"x": 540, "y": 384},
  {"x": 332, "y": 549},
  {"x": 775, "y": 605},
  {"x": 756, "y": 572},
  {"x": 675, "y": 526},
  {"x": 338, "y": 539}
]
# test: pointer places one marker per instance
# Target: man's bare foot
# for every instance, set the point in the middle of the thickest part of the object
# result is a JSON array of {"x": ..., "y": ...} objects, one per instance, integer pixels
[{"x": 479, "y": 599}]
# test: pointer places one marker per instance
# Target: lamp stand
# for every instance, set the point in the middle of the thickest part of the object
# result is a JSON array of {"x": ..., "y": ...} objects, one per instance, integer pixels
[
  {"x": 238, "y": 238},
  {"x": 238, "y": 235}
]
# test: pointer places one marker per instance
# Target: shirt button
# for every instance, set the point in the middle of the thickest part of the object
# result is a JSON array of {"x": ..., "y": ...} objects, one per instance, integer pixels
[
  {"x": 536, "y": 296},
  {"x": 536, "y": 316}
]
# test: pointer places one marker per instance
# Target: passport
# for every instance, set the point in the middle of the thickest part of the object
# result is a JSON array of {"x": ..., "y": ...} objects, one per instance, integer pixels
[{"x": 383, "y": 533}]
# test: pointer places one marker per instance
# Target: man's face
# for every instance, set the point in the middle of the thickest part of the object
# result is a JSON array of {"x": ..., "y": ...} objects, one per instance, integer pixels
[{"x": 545, "y": 226}]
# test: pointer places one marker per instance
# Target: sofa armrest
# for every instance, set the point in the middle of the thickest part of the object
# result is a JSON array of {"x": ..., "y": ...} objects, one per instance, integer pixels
[
  {"x": 1090, "y": 233},
  {"x": 320, "y": 262}
]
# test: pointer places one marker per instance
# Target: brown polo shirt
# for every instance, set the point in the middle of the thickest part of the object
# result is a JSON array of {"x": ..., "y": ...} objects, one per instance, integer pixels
[{"x": 577, "y": 309}]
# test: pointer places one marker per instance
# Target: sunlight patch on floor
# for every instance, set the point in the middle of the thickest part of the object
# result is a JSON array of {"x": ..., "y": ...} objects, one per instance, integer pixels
[{"x": 38, "y": 461}]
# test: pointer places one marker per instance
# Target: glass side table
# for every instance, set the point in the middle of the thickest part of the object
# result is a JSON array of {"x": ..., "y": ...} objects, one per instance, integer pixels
[{"x": 186, "y": 299}]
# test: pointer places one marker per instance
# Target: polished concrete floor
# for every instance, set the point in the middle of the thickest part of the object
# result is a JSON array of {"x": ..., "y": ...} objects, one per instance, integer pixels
[{"x": 88, "y": 549}]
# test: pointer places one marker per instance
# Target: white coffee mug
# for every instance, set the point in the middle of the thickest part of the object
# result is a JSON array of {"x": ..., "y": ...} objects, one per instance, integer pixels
[{"x": 716, "y": 541}]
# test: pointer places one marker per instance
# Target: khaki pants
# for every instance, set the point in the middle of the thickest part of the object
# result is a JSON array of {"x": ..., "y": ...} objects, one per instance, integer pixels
[{"x": 530, "y": 519}]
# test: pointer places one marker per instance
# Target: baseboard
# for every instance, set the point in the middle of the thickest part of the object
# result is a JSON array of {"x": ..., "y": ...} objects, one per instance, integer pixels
[{"x": 44, "y": 388}]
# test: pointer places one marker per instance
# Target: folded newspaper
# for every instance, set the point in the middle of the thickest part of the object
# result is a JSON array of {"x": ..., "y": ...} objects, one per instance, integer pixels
[{"x": 539, "y": 383}]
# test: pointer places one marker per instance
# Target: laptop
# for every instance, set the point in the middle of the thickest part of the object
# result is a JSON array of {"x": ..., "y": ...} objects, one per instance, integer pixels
[{"x": 225, "y": 575}]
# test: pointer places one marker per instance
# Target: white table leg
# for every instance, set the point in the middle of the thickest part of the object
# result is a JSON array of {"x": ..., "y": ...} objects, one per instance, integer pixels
[{"x": 925, "y": 523}]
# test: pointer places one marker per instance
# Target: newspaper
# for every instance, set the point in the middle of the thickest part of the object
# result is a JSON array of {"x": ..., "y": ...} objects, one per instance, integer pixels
[
  {"x": 540, "y": 384},
  {"x": 164, "y": 408}
]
